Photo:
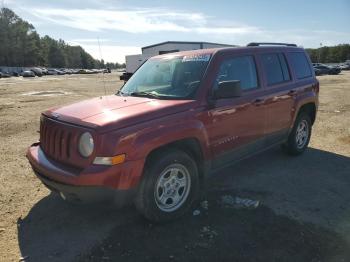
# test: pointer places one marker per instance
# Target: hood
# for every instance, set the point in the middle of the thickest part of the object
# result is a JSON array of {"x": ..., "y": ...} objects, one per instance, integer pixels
[{"x": 116, "y": 111}]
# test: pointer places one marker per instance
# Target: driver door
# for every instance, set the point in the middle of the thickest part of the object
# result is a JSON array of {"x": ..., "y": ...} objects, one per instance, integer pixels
[{"x": 237, "y": 124}]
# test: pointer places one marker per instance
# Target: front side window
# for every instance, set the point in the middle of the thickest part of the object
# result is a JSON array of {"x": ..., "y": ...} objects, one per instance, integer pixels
[
  {"x": 239, "y": 68},
  {"x": 169, "y": 77}
]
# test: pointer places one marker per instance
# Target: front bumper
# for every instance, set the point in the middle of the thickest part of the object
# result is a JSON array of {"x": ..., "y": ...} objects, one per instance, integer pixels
[
  {"x": 88, "y": 194},
  {"x": 92, "y": 180}
]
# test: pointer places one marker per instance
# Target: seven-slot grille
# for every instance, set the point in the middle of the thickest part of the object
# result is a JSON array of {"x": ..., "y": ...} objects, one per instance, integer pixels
[{"x": 55, "y": 139}]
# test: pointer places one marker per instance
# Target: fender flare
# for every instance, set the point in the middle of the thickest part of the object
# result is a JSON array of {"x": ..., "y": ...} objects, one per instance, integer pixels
[{"x": 161, "y": 136}]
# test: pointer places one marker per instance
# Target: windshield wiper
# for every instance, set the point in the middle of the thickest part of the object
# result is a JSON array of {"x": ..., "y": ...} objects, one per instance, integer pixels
[
  {"x": 120, "y": 92},
  {"x": 144, "y": 94}
]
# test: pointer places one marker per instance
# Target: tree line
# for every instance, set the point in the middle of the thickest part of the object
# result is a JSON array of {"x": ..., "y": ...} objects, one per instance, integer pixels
[
  {"x": 330, "y": 54},
  {"x": 21, "y": 45}
]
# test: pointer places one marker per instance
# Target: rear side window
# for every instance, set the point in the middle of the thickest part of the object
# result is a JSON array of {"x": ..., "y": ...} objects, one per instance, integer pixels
[
  {"x": 276, "y": 68},
  {"x": 239, "y": 68},
  {"x": 300, "y": 64}
]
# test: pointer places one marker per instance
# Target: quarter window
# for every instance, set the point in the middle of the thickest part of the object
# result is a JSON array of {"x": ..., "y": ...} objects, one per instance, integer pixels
[
  {"x": 276, "y": 69},
  {"x": 239, "y": 68},
  {"x": 301, "y": 65},
  {"x": 284, "y": 66}
]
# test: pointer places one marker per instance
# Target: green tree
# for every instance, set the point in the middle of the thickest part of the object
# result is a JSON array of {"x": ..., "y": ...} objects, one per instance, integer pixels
[
  {"x": 56, "y": 56},
  {"x": 20, "y": 45},
  {"x": 330, "y": 54}
]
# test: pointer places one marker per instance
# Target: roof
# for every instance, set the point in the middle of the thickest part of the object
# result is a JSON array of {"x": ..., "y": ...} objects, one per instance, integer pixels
[
  {"x": 237, "y": 49},
  {"x": 185, "y": 42},
  {"x": 192, "y": 52}
]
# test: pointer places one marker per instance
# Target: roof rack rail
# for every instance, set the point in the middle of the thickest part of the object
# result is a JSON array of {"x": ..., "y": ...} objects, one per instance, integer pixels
[{"x": 259, "y": 44}]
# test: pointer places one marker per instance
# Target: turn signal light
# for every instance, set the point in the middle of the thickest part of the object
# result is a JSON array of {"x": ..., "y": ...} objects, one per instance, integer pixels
[{"x": 114, "y": 160}]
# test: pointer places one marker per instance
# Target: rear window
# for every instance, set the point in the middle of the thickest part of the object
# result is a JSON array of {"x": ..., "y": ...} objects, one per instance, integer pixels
[
  {"x": 300, "y": 64},
  {"x": 276, "y": 68}
]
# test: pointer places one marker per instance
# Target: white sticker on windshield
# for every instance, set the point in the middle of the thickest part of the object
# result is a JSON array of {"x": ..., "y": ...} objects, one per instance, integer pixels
[{"x": 196, "y": 58}]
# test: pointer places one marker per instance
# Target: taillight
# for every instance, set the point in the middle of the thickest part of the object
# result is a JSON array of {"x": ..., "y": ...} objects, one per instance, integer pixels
[{"x": 316, "y": 86}]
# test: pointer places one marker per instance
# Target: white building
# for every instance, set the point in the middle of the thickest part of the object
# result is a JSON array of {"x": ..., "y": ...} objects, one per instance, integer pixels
[{"x": 134, "y": 61}]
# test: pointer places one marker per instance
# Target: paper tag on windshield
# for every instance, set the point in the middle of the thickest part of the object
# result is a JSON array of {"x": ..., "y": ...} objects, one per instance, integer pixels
[{"x": 196, "y": 58}]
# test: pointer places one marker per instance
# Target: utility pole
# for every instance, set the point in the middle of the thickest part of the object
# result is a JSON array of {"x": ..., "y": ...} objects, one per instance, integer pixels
[{"x": 319, "y": 53}]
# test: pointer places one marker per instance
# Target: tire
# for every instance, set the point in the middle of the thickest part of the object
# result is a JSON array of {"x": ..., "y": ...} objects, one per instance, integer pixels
[
  {"x": 169, "y": 186},
  {"x": 299, "y": 137}
]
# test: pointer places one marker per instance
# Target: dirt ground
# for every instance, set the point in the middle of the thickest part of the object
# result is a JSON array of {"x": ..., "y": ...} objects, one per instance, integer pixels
[{"x": 304, "y": 212}]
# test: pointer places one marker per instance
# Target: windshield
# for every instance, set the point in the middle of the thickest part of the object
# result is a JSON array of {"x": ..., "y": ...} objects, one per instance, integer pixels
[{"x": 170, "y": 77}]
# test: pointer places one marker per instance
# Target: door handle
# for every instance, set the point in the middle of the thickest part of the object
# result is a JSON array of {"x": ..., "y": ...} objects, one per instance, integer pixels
[
  {"x": 258, "y": 101},
  {"x": 292, "y": 92}
]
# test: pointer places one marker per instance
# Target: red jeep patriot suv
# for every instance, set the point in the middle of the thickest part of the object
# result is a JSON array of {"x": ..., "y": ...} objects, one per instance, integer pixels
[{"x": 180, "y": 117}]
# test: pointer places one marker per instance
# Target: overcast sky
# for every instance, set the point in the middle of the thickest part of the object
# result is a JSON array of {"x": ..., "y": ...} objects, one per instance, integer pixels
[{"x": 123, "y": 27}]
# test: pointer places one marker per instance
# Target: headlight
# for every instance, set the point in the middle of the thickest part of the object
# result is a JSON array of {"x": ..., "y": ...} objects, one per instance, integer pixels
[{"x": 86, "y": 144}]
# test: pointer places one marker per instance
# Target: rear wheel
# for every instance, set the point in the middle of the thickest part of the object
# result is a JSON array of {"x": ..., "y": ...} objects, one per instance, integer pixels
[
  {"x": 169, "y": 186},
  {"x": 299, "y": 137}
]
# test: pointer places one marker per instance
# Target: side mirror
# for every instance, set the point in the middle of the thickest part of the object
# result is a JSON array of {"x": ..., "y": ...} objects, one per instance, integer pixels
[{"x": 228, "y": 89}]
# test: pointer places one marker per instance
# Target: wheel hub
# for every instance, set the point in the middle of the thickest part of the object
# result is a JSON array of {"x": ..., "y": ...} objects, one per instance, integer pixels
[
  {"x": 302, "y": 134},
  {"x": 172, "y": 187}
]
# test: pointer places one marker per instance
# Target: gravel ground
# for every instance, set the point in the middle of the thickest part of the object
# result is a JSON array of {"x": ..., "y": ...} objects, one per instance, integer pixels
[{"x": 303, "y": 213}]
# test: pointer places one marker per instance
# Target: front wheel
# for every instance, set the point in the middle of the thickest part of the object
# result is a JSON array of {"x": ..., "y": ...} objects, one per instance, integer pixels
[
  {"x": 299, "y": 137},
  {"x": 169, "y": 186}
]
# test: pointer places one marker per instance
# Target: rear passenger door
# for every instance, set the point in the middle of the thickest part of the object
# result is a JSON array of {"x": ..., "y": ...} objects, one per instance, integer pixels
[
  {"x": 280, "y": 94},
  {"x": 303, "y": 76}
]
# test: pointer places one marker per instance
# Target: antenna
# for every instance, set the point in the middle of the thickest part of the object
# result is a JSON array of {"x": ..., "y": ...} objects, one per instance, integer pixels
[{"x": 103, "y": 74}]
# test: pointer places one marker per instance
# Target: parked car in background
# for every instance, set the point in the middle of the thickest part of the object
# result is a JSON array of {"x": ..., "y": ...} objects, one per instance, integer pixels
[
  {"x": 67, "y": 71},
  {"x": 321, "y": 70},
  {"x": 327, "y": 70},
  {"x": 44, "y": 70},
  {"x": 345, "y": 66},
  {"x": 125, "y": 76},
  {"x": 318, "y": 72},
  {"x": 85, "y": 71},
  {"x": 5, "y": 74},
  {"x": 28, "y": 73},
  {"x": 60, "y": 72},
  {"x": 37, "y": 71},
  {"x": 178, "y": 119},
  {"x": 63, "y": 70},
  {"x": 53, "y": 71}
]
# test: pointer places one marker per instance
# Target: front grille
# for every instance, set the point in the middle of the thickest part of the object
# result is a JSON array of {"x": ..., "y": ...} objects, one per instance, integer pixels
[
  {"x": 55, "y": 140},
  {"x": 59, "y": 142}
]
